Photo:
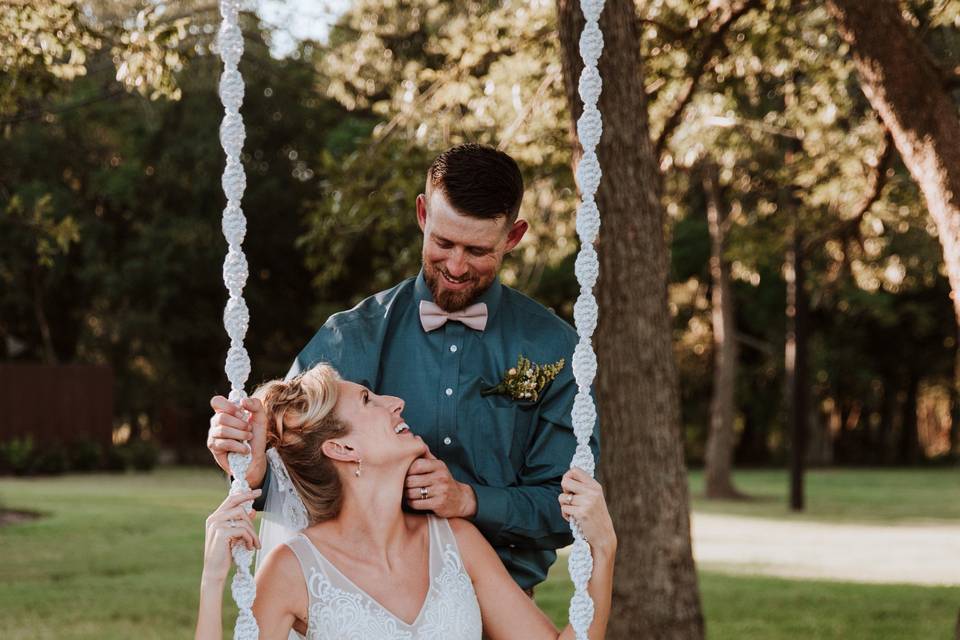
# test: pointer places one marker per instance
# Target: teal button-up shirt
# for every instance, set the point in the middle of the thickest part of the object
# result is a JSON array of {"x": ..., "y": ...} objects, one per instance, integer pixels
[{"x": 513, "y": 455}]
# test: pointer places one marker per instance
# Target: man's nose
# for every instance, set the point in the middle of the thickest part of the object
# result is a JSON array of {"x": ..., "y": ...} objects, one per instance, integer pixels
[{"x": 456, "y": 264}]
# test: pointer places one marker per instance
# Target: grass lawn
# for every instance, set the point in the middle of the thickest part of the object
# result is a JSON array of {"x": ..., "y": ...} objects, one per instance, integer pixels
[
  {"x": 118, "y": 556},
  {"x": 844, "y": 495}
]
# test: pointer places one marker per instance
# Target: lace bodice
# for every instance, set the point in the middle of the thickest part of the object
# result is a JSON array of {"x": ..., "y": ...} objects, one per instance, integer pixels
[{"x": 340, "y": 610}]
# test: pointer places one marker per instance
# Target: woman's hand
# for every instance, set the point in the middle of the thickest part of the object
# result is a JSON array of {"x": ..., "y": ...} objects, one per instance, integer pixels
[
  {"x": 582, "y": 499},
  {"x": 230, "y": 524}
]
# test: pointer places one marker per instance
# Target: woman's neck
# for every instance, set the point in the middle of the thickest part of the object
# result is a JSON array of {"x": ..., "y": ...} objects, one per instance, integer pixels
[{"x": 371, "y": 516}]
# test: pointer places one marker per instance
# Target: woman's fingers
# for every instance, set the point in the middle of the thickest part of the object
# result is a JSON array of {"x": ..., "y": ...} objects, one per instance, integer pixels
[
  {"x": 236, "y": 499},
  {"x": 579, "y": 474},
  {"x": 573, "y": 486},
  {"x": 234, "y": 529},
  {"x": 578, "y": 481},
  {"x": 236, "y": 513}
]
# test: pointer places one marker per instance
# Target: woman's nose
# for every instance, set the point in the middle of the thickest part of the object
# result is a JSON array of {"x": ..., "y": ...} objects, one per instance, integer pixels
[{"x": 394, "y": 403}]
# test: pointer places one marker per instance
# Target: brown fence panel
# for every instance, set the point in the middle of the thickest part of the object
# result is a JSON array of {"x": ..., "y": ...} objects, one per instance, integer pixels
[{"x": 56, "y": 403}]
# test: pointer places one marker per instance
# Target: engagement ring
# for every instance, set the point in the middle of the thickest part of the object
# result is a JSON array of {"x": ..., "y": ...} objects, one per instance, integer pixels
[
  {"x": 423, "y": 493},
  {"x": 569, "y": 498}
]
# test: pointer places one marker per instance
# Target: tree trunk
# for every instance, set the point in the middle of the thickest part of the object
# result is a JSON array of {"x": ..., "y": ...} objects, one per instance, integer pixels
[
  {"x": 909, "y": 92},
  {"x": 909, "y": 434},
  {"x": 885, "y": 440},
  {"x": 642, "y": 465},
  {"x": 40, "y": 315},
  {"x": 721, "y": 438},
  {"x": 796, "y": 365},
  {"x": 955, "y": 400}
]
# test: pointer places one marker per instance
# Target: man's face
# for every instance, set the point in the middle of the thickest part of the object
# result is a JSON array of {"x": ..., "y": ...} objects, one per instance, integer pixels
[{"x": 461, "y": 254}]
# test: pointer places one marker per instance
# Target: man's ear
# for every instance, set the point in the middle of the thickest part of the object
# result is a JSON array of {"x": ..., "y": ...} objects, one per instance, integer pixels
[
  {"x": 336, "y": 450},
  {"x": 515, "y": 235},
  {"x": 422, "y": 211}
]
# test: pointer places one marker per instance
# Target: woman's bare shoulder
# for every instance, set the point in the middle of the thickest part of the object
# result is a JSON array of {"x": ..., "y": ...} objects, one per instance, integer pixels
[{"x": 280, "y": 566}]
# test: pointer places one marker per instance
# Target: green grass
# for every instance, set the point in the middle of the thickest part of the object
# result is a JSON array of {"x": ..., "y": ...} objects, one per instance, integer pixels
[
  {"x": 119, "y": 556},
  {"x": 844, "y": 495},
  {"x": 761, "y": 608}
]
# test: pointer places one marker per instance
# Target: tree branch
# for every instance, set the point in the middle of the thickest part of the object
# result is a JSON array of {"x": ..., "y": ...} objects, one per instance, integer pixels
[
  {"x": 672, "y": 32},
  {"x": 875, "y": 185},
  {"x": 760, "y": 345},
  {"x": 718, "y": 29}
]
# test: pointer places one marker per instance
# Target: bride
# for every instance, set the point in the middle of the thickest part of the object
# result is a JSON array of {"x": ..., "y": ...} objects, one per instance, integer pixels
[{"x": 364, "y": 568}]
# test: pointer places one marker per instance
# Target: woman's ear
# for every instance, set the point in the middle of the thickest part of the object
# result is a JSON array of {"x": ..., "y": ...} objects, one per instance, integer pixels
[{"x": 337, "y": 450}]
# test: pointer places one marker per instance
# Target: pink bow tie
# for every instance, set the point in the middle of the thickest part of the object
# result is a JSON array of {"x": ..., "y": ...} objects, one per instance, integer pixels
[{"x": 433, "y": 317}]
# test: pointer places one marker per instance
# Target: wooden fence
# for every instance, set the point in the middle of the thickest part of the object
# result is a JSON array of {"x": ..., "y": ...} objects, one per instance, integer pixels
[{"x": 56, "y": 403}]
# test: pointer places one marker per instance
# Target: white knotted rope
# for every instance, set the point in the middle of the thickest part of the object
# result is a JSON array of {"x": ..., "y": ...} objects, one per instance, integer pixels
[
  {"x": 589, "y": 128},
  {"x": 236, "y": 316}
]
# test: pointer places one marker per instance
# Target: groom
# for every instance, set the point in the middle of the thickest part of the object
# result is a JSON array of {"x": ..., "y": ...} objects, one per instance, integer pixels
[{"x": 444, "y": 341}]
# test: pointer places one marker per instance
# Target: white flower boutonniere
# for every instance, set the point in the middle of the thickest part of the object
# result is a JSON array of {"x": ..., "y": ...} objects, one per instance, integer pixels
[{"x": 526, "y": 381}]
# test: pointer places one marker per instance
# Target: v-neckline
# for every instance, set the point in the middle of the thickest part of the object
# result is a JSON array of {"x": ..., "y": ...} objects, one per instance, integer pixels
[{"x": 426, "y": 597}]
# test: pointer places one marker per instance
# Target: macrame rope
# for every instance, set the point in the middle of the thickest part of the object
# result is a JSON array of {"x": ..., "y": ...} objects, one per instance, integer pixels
[
  {"x": 589, "y": 128},
  {"x": 236, "y": 316}
]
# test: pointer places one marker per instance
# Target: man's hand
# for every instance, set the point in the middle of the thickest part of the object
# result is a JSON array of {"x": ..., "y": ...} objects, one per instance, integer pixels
[
  {"x": 430, "y": 487},
  {"x": 231, "y": 430}
]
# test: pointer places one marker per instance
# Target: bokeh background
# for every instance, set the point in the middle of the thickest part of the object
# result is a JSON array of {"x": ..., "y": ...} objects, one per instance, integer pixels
[{"x": 111, "y": 298}]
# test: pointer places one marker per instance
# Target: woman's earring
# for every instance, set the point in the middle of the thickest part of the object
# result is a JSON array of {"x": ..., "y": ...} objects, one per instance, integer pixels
[{"x": 359, "y": 467}]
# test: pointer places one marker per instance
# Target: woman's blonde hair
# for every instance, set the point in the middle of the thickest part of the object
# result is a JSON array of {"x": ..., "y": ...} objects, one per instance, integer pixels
[{"x": 300, "y": 418}]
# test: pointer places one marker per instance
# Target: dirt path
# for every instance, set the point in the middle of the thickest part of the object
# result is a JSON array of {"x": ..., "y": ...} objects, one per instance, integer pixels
[{"x": 925, "y": 554}]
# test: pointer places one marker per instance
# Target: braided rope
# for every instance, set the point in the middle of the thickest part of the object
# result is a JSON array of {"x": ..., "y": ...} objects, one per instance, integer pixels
[
  {"x": 236, "y": 316},
  {"x": 589, "y": 128}
]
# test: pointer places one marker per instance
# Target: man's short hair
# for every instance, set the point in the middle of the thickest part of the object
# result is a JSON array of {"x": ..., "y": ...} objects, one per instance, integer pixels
[{"x": 478, "y": 181}]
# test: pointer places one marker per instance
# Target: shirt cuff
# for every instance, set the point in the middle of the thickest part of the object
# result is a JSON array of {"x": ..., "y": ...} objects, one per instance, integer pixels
[{"x": 493, "y": 505}]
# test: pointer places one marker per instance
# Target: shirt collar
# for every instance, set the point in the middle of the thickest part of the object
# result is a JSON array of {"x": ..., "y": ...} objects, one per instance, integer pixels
[{"x": 491, "y": 297}]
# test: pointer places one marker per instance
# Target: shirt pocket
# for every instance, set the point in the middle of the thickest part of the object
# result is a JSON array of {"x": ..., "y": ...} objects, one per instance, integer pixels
[{"x": 497, "y": 432}]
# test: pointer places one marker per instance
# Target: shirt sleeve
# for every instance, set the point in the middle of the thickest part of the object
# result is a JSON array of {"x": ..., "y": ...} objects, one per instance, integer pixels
[{"x": 528, "y": 515}]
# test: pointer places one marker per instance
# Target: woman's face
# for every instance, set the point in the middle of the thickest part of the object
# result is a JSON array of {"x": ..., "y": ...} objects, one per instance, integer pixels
[{"x": 378, "y": 433}]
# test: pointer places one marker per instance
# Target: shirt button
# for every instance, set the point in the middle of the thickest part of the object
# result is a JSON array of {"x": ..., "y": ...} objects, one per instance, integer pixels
[
  {"x": 449, "y": 391},
  {"x": 453, "y": 348},
  {"x": 447, "y": 440}
]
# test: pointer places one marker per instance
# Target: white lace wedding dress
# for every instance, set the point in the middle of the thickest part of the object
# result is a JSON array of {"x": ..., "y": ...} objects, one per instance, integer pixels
[{"x": 340, "y": 610}]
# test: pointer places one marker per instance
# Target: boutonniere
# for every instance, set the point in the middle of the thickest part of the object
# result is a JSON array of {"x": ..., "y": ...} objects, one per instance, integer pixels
[{"x": 526, "y": 381}]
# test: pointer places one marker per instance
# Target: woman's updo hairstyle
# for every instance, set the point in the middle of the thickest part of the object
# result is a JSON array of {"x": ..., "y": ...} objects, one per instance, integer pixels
[{"x": 300, "y": 418}]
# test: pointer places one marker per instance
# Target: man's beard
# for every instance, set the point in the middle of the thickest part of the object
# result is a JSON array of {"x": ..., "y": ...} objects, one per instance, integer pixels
[{"x": 451, "y": 301}]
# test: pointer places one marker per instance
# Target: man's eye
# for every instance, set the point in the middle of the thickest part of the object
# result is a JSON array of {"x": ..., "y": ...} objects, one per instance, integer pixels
[{"x": 478, "y": 252}]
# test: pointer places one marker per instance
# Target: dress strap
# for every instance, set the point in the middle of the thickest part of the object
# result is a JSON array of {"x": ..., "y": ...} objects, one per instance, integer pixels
[{"x": 306, "y": 555}]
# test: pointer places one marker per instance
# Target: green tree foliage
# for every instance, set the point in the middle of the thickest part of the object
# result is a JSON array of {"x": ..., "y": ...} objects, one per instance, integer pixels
[
  {"x": 431, "y": 74},
  {"x": 110, "y": 196},
  {"x": 116, "y": 208},
  {"x": 764, "y": 88}
]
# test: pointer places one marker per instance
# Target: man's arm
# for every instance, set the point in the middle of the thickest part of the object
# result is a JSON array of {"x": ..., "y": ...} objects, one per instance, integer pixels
[{"x": 527, "y": 515}]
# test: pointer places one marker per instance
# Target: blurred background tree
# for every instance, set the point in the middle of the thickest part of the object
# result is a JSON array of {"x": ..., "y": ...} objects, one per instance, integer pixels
[{"x": 110, "y": 202}]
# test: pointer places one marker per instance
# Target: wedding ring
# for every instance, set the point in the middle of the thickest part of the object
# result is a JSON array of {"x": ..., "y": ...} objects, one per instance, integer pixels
[
  {"x": 423, "y": 493},
  {"x": 569, "y": 499}
]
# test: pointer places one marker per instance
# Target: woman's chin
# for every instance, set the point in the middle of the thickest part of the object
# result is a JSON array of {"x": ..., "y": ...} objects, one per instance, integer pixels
[{"x": 415, "y": 448}]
